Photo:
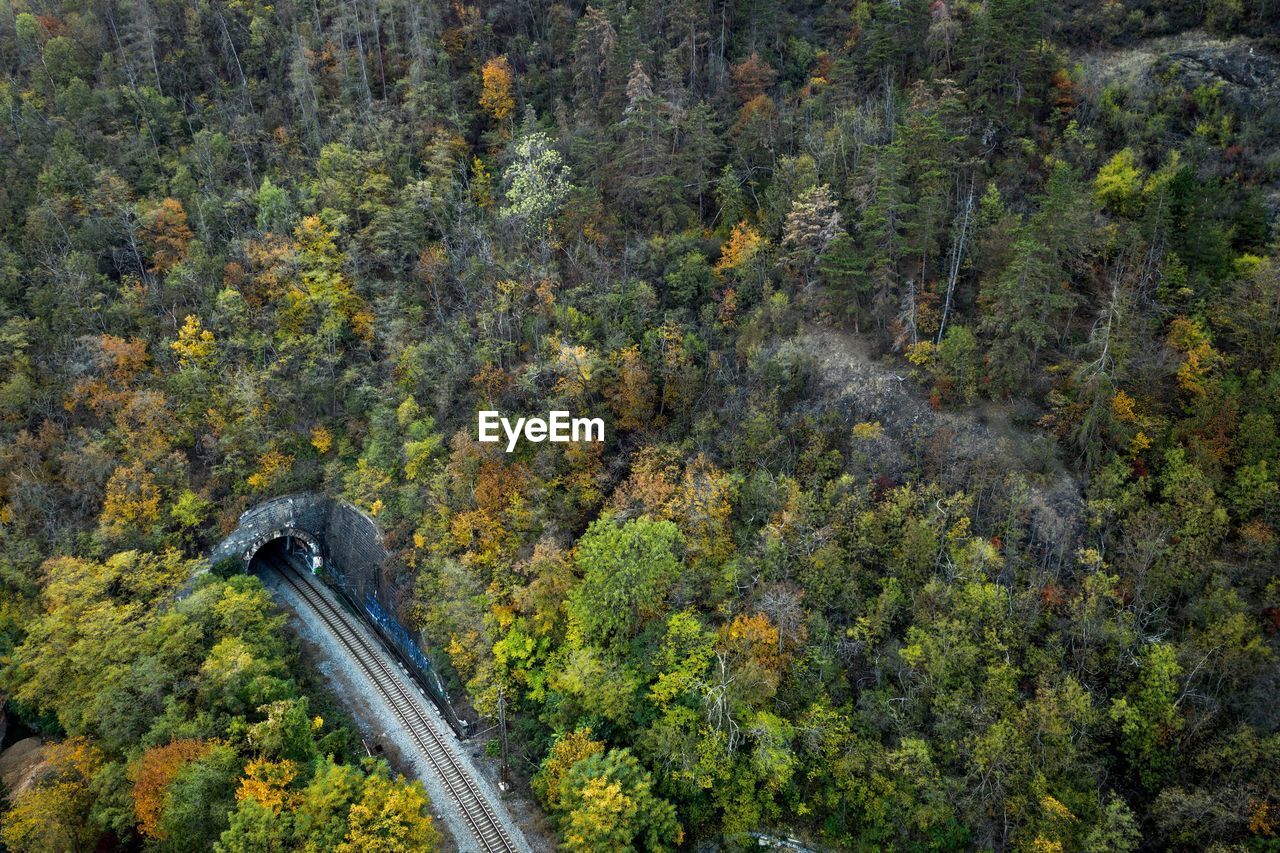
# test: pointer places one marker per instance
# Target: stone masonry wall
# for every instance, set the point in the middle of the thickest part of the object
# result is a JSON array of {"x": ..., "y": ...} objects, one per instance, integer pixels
[
  {"x": 304, "y": 513},
  {"x": 349, "y": 545}
]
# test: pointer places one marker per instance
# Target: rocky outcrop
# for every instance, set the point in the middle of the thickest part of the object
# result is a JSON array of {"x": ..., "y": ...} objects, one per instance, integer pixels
[
  {"x": 21, "y": 765},
  {"x": 1249, "y": 78},
  {"x": 1246, "y": 75}
]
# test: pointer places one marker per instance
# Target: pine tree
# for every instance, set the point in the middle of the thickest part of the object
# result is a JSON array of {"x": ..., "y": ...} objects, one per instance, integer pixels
[
  {"x": 643, "y": 179},
  {"x": 1019, "y": 309},
  {"x": 881, "y": 229}
]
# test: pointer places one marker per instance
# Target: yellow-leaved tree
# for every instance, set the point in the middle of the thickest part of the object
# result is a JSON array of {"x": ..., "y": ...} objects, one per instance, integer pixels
[
  {"x": 496, "y": 97},
  {"x": 743, "y": 245},
  {"x": 390, "y": 817},
  {"x": 195, "y": 344},
  {"x": 568, "y": 751}
]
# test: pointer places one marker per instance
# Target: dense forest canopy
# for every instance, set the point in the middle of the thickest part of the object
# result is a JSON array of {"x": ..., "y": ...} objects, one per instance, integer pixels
[{"x": 938, "y": 346}]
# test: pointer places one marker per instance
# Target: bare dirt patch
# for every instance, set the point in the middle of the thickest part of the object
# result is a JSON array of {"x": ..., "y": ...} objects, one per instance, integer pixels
[{"x": 980, "y": 449}]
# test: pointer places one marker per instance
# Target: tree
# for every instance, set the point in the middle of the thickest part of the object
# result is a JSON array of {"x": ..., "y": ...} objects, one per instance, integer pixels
[
  {"x": 273, "y": 814},
  {"x": 322, "y": 813},
  {"x": 1021, "y": 305},
  {"x": 390, "y": 817},
  {"x": 286, "y": 733},
  {"x": 593, "y": 45},
  {"x": 275, "y": 210},
  {"x": 644, "y": 174},
  {"x": 156, "y": 771},
  {"x": 1119, "y": 184},
  {"x": 63, "y": 666},
  {"x": 631, "y": 395},
  {"x": 199, "y": 800},
  {"x": 893, "y": 38},
  {"x": 880, "y": 228},
  {"x": 254, "y": 827},
  {"x": 267, "y": 783},
  {"x": 812, "y": 223},
  {"x": 689, "y": 281},
  {"x": 752, "y": 77},
  {"x": 53, "y": 812},
  {"x": 535, "y": 183},
  {"x": 607, "y": 803},
  {"x": 132, "y": 501},
  {"x": 1148, "y": 715},
  {"x": 955, "y": 366},
  {"x": 699, "y": 137},
  {"x": 165, "y": 234},
  {"x": 627, "y": 570},
  {"x": 1200, "y": 359},
  {"x": 495, "y": 97},
  {"x": 731, "y": 201},
  {"x": 567, "y": 751},
  {"x": 195, "y": 344},
  {"x": 753, "y": 134},
  {"x": 740, "y": 249},
  {"x": 999, "y": 52}
]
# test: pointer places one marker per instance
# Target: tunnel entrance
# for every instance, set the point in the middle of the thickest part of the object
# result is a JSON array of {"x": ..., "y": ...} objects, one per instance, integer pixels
[
  {"x": 296, "y": 550},
  {"x": 297, "y": 544},
  {"x": 343, "y": 547}
]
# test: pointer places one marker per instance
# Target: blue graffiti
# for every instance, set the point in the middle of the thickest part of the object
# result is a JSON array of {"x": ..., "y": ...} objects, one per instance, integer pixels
[
  {"x": 399, "y": 638},
  {"x": 397, "y": 634}
]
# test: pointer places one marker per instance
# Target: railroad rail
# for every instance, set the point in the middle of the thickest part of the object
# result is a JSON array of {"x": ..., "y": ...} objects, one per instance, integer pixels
[{"x": 475, "y": 809}]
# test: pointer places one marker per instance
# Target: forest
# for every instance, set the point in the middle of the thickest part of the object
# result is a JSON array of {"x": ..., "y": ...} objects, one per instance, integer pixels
[{"x": 937, "y": 345}]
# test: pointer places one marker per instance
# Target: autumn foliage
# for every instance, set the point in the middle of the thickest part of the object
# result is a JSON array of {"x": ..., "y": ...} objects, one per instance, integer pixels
[
  {"x": 937, "y": 349},
  {"x": 157, "y": 768},
  {"x": 496, "y": 96},
  {"x": 167, "y": 235},
  {"x": 52, "y": 811}
]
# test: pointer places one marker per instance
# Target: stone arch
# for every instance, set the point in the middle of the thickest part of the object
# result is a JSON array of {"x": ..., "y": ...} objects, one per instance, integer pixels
[
  {"x": 314, "y": 548},
  {"x": 348, "y": 545},
  {"x": 302, "y": 516}
]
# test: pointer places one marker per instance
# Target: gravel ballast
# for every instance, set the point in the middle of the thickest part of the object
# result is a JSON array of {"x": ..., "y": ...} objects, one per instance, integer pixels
[{"x": 379, "y": 723}]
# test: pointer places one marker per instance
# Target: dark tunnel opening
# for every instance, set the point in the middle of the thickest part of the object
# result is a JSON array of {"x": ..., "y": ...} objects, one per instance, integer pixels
[{"x": 284, "y": 551}]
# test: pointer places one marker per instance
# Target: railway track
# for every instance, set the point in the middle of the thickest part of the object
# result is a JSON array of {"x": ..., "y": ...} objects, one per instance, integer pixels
[{"x": 475, "y": 809}]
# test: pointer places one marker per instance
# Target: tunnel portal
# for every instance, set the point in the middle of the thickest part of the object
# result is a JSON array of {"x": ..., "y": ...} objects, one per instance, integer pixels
[{"x": 344, "y": 547}]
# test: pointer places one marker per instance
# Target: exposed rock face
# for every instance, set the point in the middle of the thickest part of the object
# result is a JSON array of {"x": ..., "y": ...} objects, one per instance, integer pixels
[
  {"x": 21, "y": 765},
  {"x": 1247, "y": 76},
  {"x": 1250, "y": 78}
]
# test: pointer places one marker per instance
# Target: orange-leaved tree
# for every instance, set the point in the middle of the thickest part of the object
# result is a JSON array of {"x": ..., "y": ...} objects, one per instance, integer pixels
[
  {"x": 496, "y": 97},
  {"x": 165, "y": 234},
  {"x": 157, "y": 768}
]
